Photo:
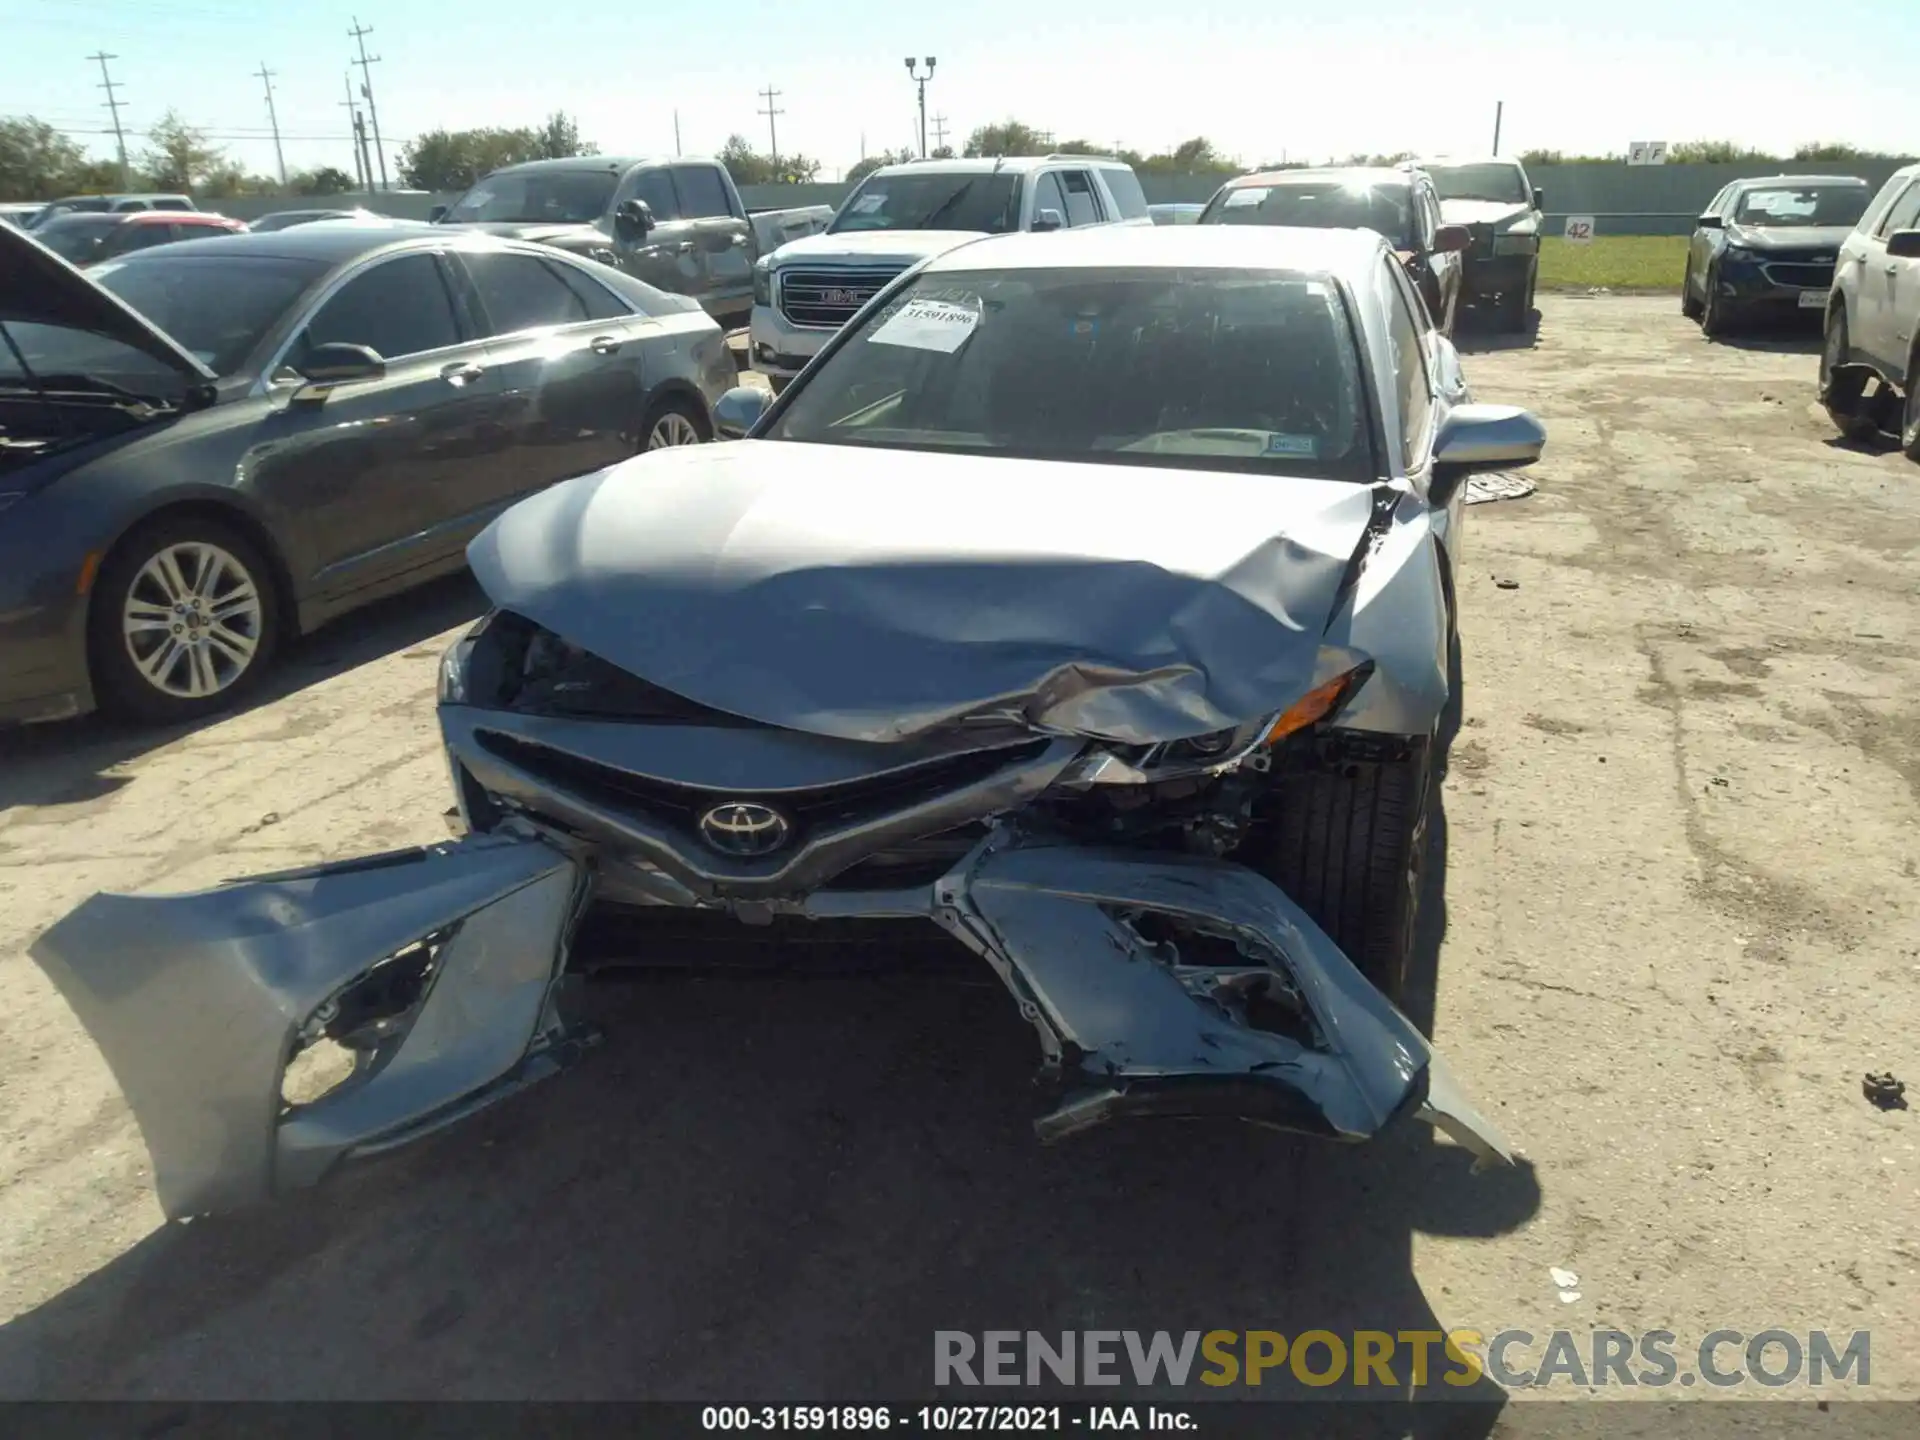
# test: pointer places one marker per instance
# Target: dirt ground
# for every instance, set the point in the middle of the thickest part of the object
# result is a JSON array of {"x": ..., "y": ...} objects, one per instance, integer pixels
[{"x": 1675, "y": 918}]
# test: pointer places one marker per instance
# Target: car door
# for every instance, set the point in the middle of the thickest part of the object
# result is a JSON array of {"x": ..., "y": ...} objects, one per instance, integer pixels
[
  {"x": 376, "y": 476},
  {"x": 722, "y": 237},
  {"x": 1083, "y": 206},
  {"x": 1883, "y": 328},
  {"x": 565, "y": 352},
  {"x": 667, "y": 257}
]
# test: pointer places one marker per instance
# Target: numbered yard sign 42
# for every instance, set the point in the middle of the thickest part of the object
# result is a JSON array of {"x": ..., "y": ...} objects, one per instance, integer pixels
[{"x": 1579, "y": 230}]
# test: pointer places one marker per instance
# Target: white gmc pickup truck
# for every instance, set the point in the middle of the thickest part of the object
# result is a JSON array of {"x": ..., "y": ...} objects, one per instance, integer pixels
[{"x": 901, "y": 214}]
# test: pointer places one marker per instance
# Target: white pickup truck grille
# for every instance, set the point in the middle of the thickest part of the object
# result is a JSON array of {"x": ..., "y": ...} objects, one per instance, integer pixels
[{"x": 829, "y": 298}]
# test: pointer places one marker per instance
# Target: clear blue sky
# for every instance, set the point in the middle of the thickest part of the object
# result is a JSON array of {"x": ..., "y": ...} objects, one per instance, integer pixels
[{"x": 1386, "y": 75}]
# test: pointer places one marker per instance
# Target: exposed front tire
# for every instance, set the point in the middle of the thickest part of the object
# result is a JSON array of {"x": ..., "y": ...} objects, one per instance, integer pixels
[
  {"x": 1716, "y": 315},
  {"x": 1348, "y": 843},
  {"x": 184, "y": 621},
  {"x": 673, "y": 422},
  {"x": 1910, "y": 411},
  {"x": 1843, "y": 387},
  {"x": 1689, "y": 307}
]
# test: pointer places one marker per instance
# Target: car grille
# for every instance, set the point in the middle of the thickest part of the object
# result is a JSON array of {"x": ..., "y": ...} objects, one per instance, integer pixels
[
  {"x": 1480, "y": 247},
  {"x": 830, "y": 298},
  {"x": 1803, "y": 274},
  {"x": 822, "y": 807}
]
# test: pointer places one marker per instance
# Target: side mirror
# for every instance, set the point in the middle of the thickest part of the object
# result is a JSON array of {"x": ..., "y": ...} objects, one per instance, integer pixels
[
  {"x": 1451, "y": 239},
  {"x": 1711, "y": 222},
  {"x": 436, "y": 214},
  {"x": 329, "y": 365},
  {"x": 1482, "y": 437},
  {"x": 1048, "y": 220},
  {"x": 1904, "y": 245},
  {"x": 739, "y": 410},
  {"x": 1539, "y": 198},
  {"x": 633, "y": 220}
]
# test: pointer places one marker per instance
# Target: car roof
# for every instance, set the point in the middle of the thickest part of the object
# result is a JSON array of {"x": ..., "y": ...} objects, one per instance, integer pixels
[
  {"x": 1003, "y": 164},
  {"x": 1754, "y": 181},
  {"x": 328, "y": 244},
  {"x": 174, "y": 217},
  {"x": 1347, "y": 174},
  {"x": 602, "y": 164},
  {"x": 1215, "y": 247},
  {"x": 1426, "y": 161}
]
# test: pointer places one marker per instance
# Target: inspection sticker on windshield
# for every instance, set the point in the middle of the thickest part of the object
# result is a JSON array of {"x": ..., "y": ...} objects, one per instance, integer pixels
[
  {"x": 928, "y": 325},
  {"x": 1303, "y": 447}
]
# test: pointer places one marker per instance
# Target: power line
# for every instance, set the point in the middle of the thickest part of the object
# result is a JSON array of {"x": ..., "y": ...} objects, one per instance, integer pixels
[
  {"x": 273, "y": 119},
  {"x": 939, "y": 132},
  {"x": 773, "y": 137},
  {"x": 113, "y": 104},
  {"x": 358, "y": 137},
  {"x": 360, "y": 33}
]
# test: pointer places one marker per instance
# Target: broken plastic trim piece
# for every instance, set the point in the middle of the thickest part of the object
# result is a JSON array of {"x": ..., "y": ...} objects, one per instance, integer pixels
[
  {"x": 199, "y": 1001},
  {"x": 1134, "y": 1031}
]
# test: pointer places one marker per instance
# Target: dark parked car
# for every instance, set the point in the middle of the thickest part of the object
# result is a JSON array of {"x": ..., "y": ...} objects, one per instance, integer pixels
[
  {"x": 90, "y": 239},
  {"x": 1768, "y": 246},
  {"x": 1501, "y": 209},
  {"x": 107, "y": 205},
  {"x": 286, "y": 219},
  {"x": 678, "y": 224},
  {"x": 1400, "y": 204},
  {"x": 208, "y": 448}
]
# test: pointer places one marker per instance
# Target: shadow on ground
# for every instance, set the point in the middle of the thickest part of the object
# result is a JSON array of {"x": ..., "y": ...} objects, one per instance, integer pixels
[
  {"x": 779, "y": 1187},
  {"x": 69, "y": 762},
  {"x": 1789, "y": 334},
  {"x": 1474, "y": 332}
]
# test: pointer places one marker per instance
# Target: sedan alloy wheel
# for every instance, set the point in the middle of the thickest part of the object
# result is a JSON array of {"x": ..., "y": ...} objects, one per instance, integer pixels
[
  {"x": 671, "y": 428},
  {"x": 193, "y": 620}
]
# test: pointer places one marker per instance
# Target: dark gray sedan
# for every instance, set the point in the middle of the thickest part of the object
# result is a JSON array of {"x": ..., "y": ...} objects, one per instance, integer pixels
[{"x": 211, "y": 447}]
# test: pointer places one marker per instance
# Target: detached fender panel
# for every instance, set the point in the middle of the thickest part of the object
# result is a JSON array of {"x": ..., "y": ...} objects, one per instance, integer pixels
[
  {"x": 200, "y": 1001},
  {"x": 1175, "y": 985}
]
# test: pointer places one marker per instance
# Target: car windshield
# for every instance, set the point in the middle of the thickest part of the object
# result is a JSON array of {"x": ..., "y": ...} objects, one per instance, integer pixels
[
  {"x": 75, "y": 238},
  {"x": 1246, "y": 370},
  {"x": 1803, "y": 205},
  {"x": 218, "y": 308},
  {"x": 1319, "y": 205},
  {"x": 560, "y": 197},
  {"x": 934, "y": 201},
  {"x": 1506, "y": 184}
]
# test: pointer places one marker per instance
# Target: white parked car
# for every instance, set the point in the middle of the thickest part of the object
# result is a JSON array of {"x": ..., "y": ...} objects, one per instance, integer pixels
[
  {"x": 1871, "y": 359},
  {"x": 902, "y": 214}
]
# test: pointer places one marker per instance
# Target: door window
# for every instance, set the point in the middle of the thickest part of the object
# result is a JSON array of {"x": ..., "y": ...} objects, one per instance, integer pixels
[
  {"x": 520, "y": 293},
  {"x": 655, "y": 187},
  {"x": 398, "y": 308},
  {"x": 601, "y": 303},
  {"x": 1047, "y": 195},
  {"x": 1407, "y": 320},
  {"x": 145, "y": 237},
  {"x": 702, "y": 195},
  {"x": 1904, "y": 213},
  {"x": 1082, "y": 209},
  {"x": 1124, "y": 186}
]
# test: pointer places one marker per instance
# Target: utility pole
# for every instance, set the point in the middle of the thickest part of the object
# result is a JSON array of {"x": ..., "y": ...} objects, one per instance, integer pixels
[
  {"x": 113, "y": 104},
  {"x": 359, "y": 34},
  {"x": 359, "y": 140},
  {"x": 676, "y": 134},
  {"x": 773, "y": 135},
  {"x": 921, "y": 81},
  {"x": 1498, "y": 107},
  {"x": 939, "y": 132},
  {"x": 273, "y": 119}
]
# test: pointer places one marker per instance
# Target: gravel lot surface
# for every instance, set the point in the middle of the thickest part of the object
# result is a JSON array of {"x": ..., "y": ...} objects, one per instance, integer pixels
[{"x": 1680, "y": 855}]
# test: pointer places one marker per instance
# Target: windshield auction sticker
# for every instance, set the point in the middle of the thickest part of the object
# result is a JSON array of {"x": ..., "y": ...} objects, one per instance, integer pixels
[{"x": 928, "y": 325}]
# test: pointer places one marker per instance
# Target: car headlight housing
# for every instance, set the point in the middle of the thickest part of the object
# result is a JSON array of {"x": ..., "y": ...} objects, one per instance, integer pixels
[
  {"x": 455, "y": 685},
  {"x": 1520, "y": 239},
  {"x": 762, "y": 283}
]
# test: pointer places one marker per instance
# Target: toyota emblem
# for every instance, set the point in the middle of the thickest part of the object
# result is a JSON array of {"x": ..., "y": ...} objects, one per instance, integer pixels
[{"x": 745, "y": 829}]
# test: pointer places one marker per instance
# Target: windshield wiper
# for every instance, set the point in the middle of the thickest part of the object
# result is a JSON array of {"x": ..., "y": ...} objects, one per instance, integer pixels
[
  {"x": 939, "y": 211},
  {"x": 54, "y": 388}
]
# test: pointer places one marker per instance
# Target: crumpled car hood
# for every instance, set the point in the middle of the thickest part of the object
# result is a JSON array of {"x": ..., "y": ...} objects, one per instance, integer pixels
[{"x": 878, "y": 594}]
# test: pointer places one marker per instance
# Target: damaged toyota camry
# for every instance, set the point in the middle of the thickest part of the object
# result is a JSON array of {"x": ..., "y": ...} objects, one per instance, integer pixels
[{"x": 1088, "y": 598}]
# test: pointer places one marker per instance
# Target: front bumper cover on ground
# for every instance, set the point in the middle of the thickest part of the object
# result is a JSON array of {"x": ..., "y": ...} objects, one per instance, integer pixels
[{"x": 199, "y": 1002}]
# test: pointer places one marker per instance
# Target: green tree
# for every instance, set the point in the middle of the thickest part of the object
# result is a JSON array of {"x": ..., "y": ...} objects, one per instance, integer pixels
[
  {"x": 445, "y": 160},
  {"x": 226, "y": 180},
  {"x": 37, "y": 162},
  {"x": 863, "y": 168},
  {"x": 749, "y": 167},
  {"x": 1005, "y": 137},
  {"x": 1197, "y": 156},
  {"x": 1716, "y": 152},
  {"x": 559, "y": 138},
  {"x": 178, "y": 156},
  {"x": 324, "y": 181},
  {"x": 1362, "y": 158}
]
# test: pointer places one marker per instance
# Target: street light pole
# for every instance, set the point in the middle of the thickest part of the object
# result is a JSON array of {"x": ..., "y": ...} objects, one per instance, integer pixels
[{"x": 921, "y": 81}]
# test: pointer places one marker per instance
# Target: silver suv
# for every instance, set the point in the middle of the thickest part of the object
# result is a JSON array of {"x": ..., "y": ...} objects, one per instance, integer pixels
[{"x": 1871, "y": 359}]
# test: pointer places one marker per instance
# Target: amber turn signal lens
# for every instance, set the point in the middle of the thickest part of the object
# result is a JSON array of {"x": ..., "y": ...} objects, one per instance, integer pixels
[{"x": 1312, "y": 706}]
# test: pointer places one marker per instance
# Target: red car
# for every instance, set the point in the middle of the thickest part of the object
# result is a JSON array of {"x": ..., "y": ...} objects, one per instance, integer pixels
[{"x": 89, "y": 239}]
